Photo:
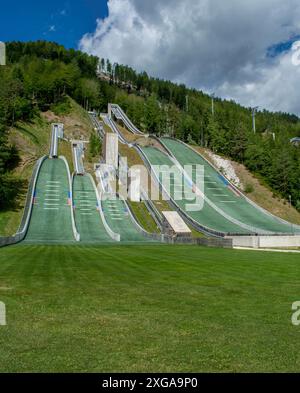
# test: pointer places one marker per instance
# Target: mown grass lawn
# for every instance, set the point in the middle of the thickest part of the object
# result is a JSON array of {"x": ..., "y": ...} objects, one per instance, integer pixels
[{"x": 148, "y": 308}]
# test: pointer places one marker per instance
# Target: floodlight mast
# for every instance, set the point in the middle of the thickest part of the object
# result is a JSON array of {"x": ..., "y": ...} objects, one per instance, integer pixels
[
  {"x": 114, "y": 72},
  {"x": 213, "y": 104},
  {"x": 187, "y": 103},
  {"x": 254, "y": 110}
]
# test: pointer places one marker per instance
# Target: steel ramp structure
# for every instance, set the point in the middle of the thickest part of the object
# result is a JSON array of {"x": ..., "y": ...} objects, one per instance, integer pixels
[
  {"x": 57, "y": 131},
  {"x": 77, "y": 150},
  {"x": 121, "y": 115}
]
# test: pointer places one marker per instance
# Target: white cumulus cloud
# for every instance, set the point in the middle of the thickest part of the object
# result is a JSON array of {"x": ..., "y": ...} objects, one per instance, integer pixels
[{"x": 214, "y": 45}]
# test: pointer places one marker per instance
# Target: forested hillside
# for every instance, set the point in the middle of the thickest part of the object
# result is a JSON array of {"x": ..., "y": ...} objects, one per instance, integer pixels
[{"x": 40, "y": 75}]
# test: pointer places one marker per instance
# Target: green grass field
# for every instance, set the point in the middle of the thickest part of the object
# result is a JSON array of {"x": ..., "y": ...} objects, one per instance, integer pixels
[{"x": 148, "y": 308}]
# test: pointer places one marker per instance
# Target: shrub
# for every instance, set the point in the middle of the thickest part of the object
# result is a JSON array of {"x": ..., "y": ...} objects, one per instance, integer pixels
[
  {"x": 249, "y": 188},
  {"x": 95, "y": 145},
  {"x": 61, "y": 108}
]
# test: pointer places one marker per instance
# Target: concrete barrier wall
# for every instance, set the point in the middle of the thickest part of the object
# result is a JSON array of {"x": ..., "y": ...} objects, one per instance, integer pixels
[
  {"x": 266, "y": 241},
  {"x": 279, "y": 241},
  {"x": 246, "y": 241},
  {"x": 205, "y": 242},
  {"x": 111, "y": 145}
]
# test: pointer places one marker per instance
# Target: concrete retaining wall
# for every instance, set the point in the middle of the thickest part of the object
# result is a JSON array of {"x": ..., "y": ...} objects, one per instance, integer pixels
[
  {"x": 211, "y": 242},
  {"x": 266, "y": 241},
  {"x": 111, "y": 144}
]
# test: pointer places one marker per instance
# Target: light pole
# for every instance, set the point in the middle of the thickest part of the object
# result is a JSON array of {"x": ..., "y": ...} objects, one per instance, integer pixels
[
  {"x": 254, "y": 110},
  {"x": 213, "y": 104},
  {"x": 290, "y": 200},
  {"x": 187, "y": 103},
  {"x": 114, "y": 72}
]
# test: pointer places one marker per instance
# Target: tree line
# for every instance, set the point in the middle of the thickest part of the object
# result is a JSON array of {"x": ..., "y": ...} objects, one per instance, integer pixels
[{"x": 38, "y": 75}]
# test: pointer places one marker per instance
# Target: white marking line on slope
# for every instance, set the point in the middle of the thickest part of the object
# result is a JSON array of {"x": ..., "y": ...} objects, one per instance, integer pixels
[
  {"x": 221, "y": 195},
  {"x": 51, "y": 208},
  {"x": 51, "y": 204},
  {"x": 227, "y": 201},
  {"x": 53, "y": 200},
  {"x": 85, "y": 210},
  {"x": 117, "y": 219},
  {"x": 52, "y": 181},
  {"x": 265, "y": 250},
  {"x": 86, "y": 214},
  {"x": 215, "y": 188}
]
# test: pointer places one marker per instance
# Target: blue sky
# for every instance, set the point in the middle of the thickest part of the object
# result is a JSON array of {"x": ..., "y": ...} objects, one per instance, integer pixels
[{"x": 62, "y": 21}]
